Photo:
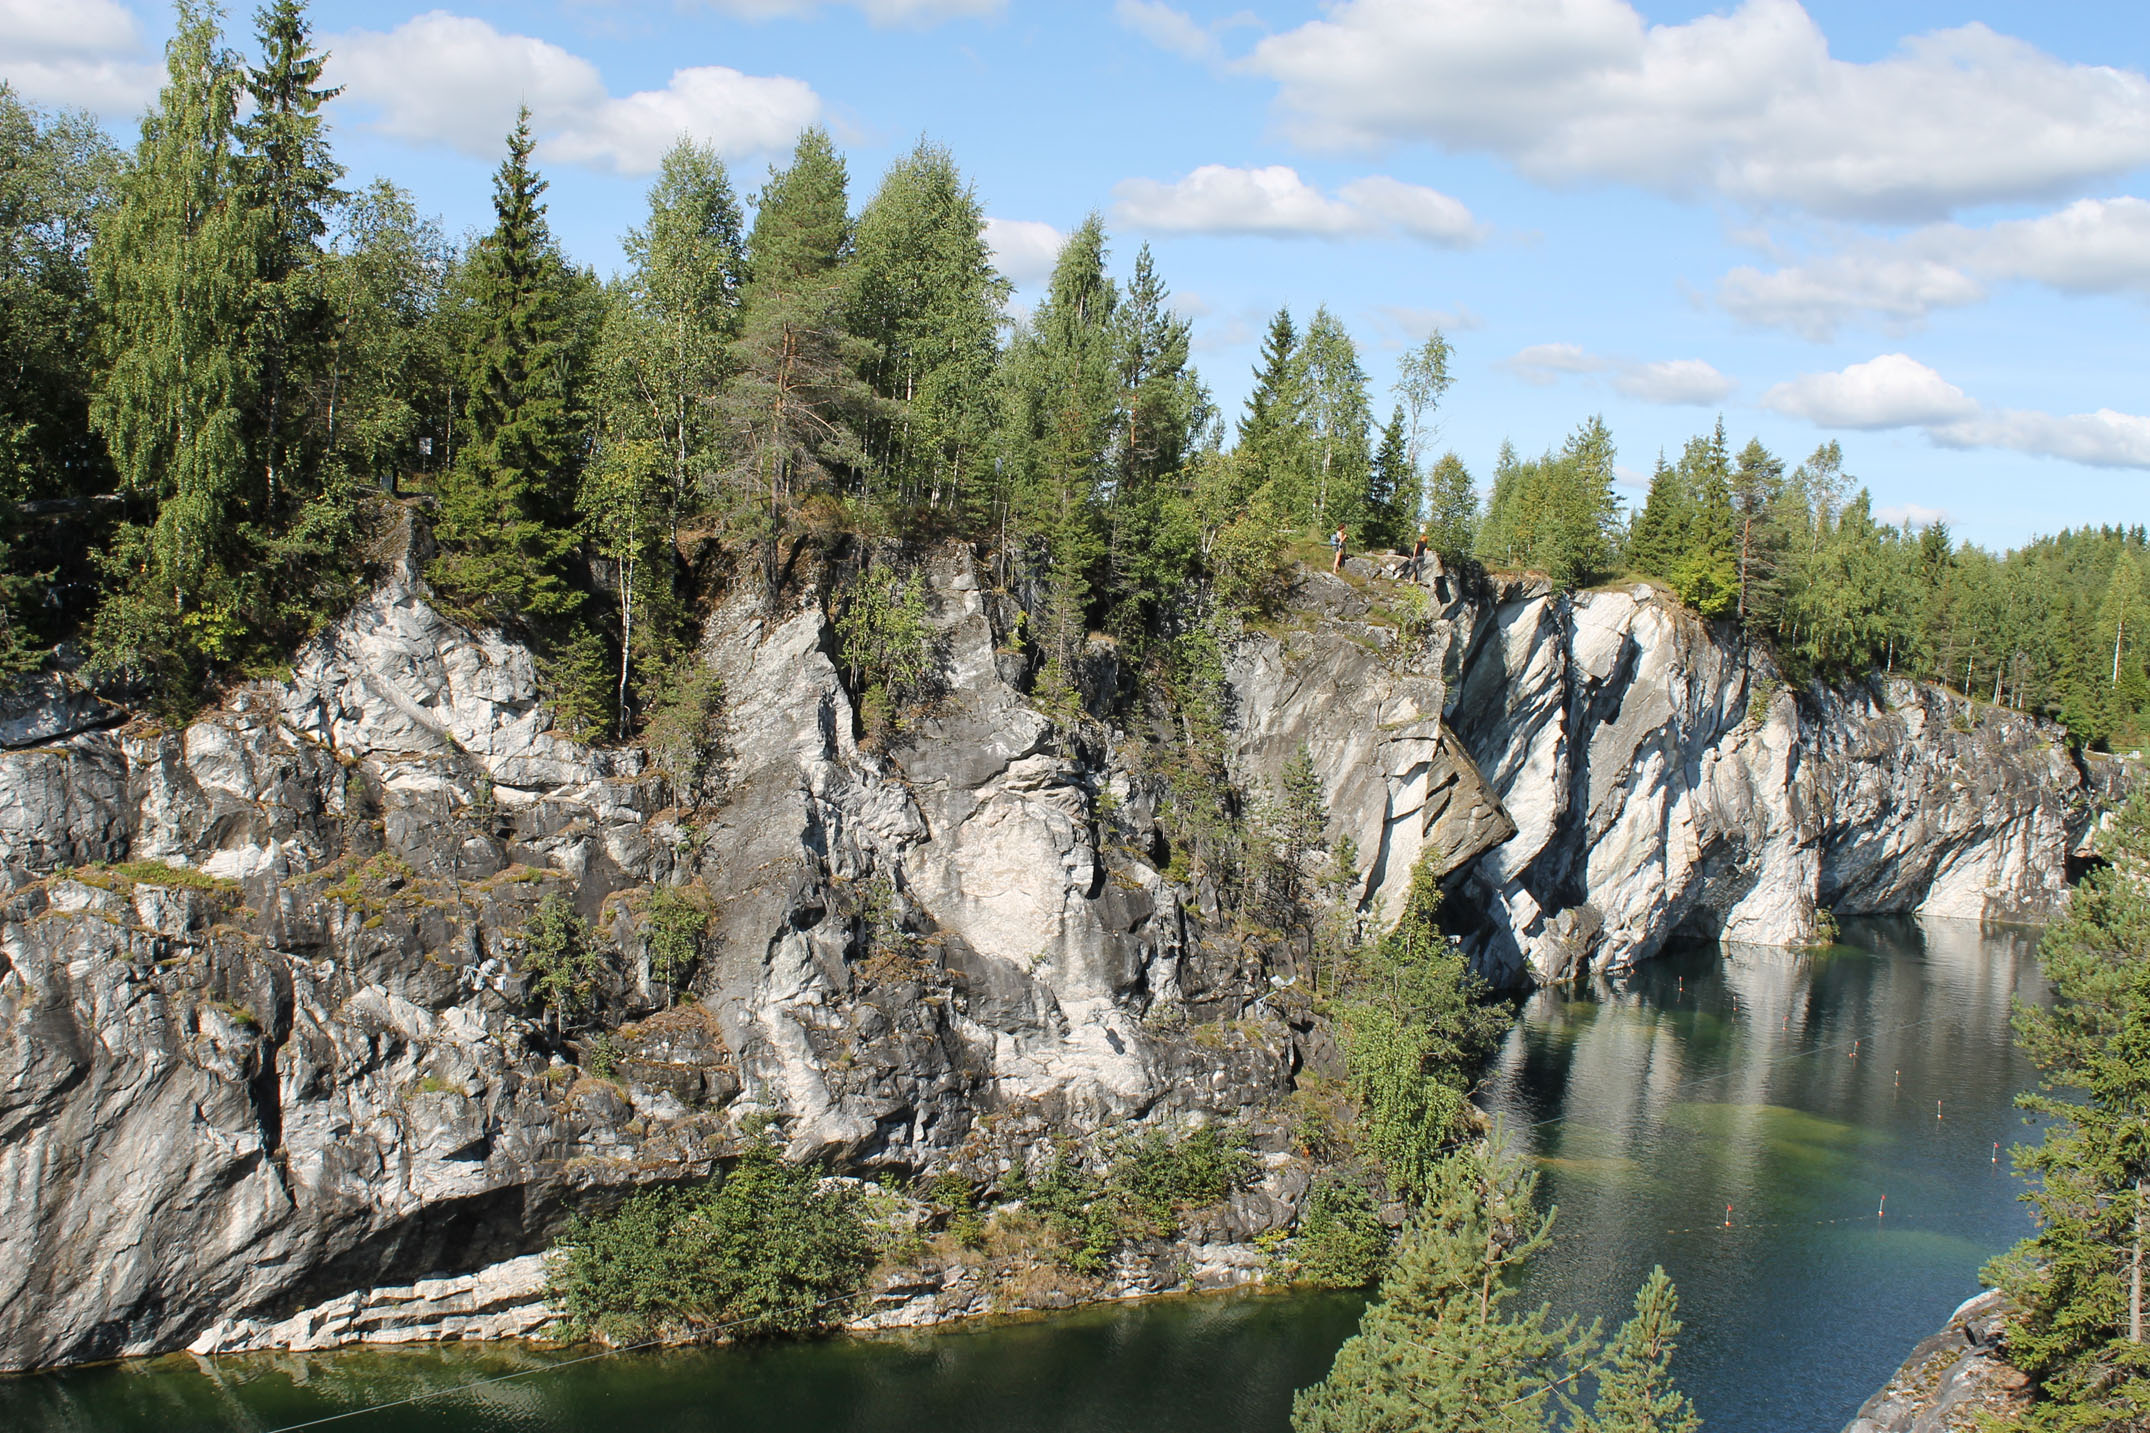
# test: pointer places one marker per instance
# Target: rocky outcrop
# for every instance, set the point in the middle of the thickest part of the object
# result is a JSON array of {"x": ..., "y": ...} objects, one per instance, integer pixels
[
  {"x": 268, "y": 1036},
  {"x": 1956, "y": 1379}
]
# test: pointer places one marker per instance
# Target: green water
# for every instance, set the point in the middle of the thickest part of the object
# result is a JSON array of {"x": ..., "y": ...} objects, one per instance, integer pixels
[{"x": 1651, "y": 1106}]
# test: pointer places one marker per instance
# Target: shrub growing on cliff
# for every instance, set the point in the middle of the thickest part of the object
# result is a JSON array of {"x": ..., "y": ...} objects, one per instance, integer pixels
[
  {"x": 764, "y": 1250},
  {"x": 562, "y": 960},
  {"x": 2081, "y": 1284},
  {"x": 1418, "y": 1024},
  {"x": 1340, "y": 1243}
]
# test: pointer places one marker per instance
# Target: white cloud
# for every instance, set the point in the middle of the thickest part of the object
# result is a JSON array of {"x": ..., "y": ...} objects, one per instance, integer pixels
[
  {"x": 1897, "y": 514},
  {"x": 1897, "y": 391},
  {"x": 1674, "y": 381},
  {"x": 2104, "y": 439},
  {"x": 916, "y": 13},
  {"x": 84, "y": 55},
  {"x": 1545, "y": 363},
  {"x": 2093, "y": 246},
  {"x": 1748, "y": 104},
  {"x": 1670, "y": 381},
  {"x": 1275, "y": 201},
  {"x": 1023, "y": 249},
  {"x": 450, "y": 79},
  {"x": 1167, "y": 28},
  {"x": 1421, "y": 322},
  {"x": 1892, "y": 391}
]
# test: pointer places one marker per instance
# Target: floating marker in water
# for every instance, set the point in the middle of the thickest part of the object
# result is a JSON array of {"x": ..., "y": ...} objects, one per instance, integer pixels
[
  {"x": 1728, "y": 1216},
  {"x": 1937, "y": 1109},
  {"x": 1996, "y": 1152},
  {"x": 1883, "y": 1211},
  {"x": 1855, "y": 1049}
]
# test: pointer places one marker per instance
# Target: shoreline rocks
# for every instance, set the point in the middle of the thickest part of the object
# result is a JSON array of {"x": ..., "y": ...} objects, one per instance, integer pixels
[{"x": 1950, "y": 1378}]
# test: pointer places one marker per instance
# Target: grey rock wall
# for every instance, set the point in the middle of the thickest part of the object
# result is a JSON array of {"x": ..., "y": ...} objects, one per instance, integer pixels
[{"x": 265, "y": 1043}]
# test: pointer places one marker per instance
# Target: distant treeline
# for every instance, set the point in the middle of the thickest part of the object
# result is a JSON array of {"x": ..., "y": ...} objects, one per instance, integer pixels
[{"x": 216, "y": 353}]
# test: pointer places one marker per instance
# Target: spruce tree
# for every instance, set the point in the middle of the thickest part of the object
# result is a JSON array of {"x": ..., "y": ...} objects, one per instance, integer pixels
[
  {"x": 175, "y": 266},
  {"x": 507, "y": 504},
  {"x": 1658, "y": 535},
  {"x": 1707, "y": 572},
  {"x": 1392, "y": 493},
  {"x": 1273, "y": 428},
  {"x": 289, "y": 177},
  {"x": 1153, "y": 539}
]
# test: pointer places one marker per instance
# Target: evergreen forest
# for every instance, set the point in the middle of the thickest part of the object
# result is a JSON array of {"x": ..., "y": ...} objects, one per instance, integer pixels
[{"x": 226, "y": 360}]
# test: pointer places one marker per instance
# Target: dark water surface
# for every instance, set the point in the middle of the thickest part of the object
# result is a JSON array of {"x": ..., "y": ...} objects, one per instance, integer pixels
[{"x": 1651, "y": 1106}]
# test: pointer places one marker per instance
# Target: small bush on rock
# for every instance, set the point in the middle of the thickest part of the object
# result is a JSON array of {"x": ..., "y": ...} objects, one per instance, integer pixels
[{"x": 764, "y": 1250}]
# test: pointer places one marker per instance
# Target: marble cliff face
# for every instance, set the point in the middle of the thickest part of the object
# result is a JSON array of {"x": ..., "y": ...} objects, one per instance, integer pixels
[{"x": 264, "y": 1041}]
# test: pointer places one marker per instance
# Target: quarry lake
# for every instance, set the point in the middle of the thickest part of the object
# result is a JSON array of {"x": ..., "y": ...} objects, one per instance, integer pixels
[{"x": 1738, "y": 1116}]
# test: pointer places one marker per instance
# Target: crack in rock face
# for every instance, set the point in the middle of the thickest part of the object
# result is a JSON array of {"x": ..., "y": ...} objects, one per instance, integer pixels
[{"x": 268, "y": 1038}]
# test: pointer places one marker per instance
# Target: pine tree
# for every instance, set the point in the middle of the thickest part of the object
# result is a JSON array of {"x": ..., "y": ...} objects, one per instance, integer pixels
[
  {"x": 797, "y": 405},
  {"x": 507, "y": 505},
  {"x": 1635, "y": 1389},
  {"x": 2078, "y": 1284},
  {"x": 1439, "y": 1351},
  {"x": 1757, "y": 483},
  {"x": 925, "y": 297},
  {"x": 175, "y": 267},
  {"x": 1154, "y": 538}
]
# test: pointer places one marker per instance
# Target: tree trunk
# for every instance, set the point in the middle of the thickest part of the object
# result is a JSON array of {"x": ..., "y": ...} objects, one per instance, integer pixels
[{"x": 2135, "y": 1271}]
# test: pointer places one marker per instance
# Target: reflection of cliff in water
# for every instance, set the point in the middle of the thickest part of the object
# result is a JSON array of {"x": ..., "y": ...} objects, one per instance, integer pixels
[{"x": 1798, "y": 1089}]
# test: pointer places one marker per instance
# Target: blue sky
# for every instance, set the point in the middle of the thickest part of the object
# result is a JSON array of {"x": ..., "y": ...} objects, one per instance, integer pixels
[{"x": 1915, "y": 228}]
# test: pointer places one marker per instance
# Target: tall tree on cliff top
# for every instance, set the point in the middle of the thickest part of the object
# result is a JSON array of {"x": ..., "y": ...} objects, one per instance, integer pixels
[
  {"x": 925, "y": 298},
  {"x": 56, "y": 174},
  {"x": 666, "y": 348},
  {"x": 176, "y": 266},
  {"x": 289, "y": 178},
  {"x": 796, "y": 406},
  {"x": 1063, "y": 401},
  {"x": 1272, "y": 429},
  {"x": 507, "y": 505},
  {"x": 1339, "y": 420},
  {"x": 2079, "y": 1283}
]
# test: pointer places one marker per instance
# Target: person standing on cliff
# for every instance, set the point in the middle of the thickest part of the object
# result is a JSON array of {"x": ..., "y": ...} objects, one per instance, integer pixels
[
  {"x": 1337, "y": 542},
  {"x": 1418, "y": 548}
]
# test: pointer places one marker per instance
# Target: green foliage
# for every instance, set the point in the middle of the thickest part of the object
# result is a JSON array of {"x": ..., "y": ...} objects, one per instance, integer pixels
[
  {"x": 1440, "y": 1349},
  {"x": 1635, "y": 1392},
  {"x": 577, "y": 672},
  {"x": 685, "y": 732},
  {"x": 1418, "y": 1024},
  {"x": 1149, "y": 1180},
  {"x": 885, "y": 644},
  {"x": 1251, "y": 572},
  {"x": 1452, "y": 509},
  {"x": 925, "y": 300},
  {"x": 764, "y": 1250},
  {"x": 56, "y": 176},
  {"x": 673, "y": 923},
  {"x": 1556, "y": 513},
  {"x": 506, "y": 515},
  {"x": 561, "y": 960},
  {"x": 1340, "y": 1243},
  {"x": 2079, "y": 1313}
]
